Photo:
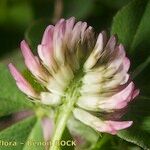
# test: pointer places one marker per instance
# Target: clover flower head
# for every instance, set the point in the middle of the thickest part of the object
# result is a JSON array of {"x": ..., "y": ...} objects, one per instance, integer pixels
[{"x": 94, "y": 69}]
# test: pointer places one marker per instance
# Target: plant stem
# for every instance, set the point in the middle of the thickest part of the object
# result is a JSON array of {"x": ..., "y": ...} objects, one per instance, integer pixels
[
  {"x": 72, "y": 94},
  {"x": 60, "y": 126}
]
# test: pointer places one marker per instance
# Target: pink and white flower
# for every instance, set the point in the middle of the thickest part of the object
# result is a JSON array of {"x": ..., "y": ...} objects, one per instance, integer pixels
[{"x": 71, "y": 51}]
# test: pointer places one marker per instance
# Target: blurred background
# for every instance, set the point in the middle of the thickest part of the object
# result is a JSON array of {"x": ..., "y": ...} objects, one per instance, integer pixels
[{"x": 17, "y": 15}]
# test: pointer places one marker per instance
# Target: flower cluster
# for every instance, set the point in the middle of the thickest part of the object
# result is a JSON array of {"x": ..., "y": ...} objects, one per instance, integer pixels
[{"x": 69, "y": 49}]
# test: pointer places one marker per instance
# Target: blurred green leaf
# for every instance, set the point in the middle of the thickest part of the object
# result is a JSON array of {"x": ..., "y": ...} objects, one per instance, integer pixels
[
  {"x": 141, "y": 76},
  {"x": 146, "y": 124},
  {"x": 36, "y": 135},
  {"x": 102, "y": 142},
  {"x": 77, "y": 8},
  {"x": 11, "y": 99},
  {"x": 115, "y": 3},
  {"x": 10, "y": 13},
  {"x": 87, "y": 136},
  {"x": 131, "y": 24},
  {"x": 111, "y": 142},
  {"x": 67, "y": 137},
  {"x": 137, "y": 133},
  {"x": 18, "y": 133},
  {"x": 142, "y": 36},
  {"x": 140, "y": 68},
  {"x": 22, "y": 19}
]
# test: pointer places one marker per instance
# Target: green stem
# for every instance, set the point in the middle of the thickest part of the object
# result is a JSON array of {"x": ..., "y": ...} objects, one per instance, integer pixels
[
  {"x": 72, "y": 94},
  {"x": 60, "y": 126}
]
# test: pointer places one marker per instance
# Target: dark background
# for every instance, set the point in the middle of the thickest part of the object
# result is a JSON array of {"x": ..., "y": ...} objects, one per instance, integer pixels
[{"x": 17, "y": 15}]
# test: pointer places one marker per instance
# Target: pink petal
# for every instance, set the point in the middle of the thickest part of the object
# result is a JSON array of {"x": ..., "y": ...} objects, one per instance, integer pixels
[
  {"x": 22, "y": 83},
  {"x": 59, "y": 23},
  {"x": 122, "y": 70},
  {"x": 76, "y": 34},
  {"x": 89, "y": 36},
  {"x": 48, "y": 35},
  {"x": 101, "y": 40},
  {"x": 118, "y": 59},
  {"x": 111, "y": 44},
  {"x": 70, "y": 23},
  {"x": 125, "y": 79},
  {"x": 113, "y": 126},
  {"x": 116, "y": 115},
  {"x": 126, "y": 64},
  {"x": 69, "y": 27},
  {"x": 32, "y": 63},
  {"x": 122, "y": 51},
  {"x": 100, "y": 125},
  {"x": 47, "y": 125},
  {"x": 119, "y": 100},
  {"x": 97, "y": 51},
  {"x": 46, "y": 55},
  {"x": 135, "y": 93},
  {"x": 83, "y": 29},
  {"x": 45, "y": 50},
  {"x": 99, "y": 44},
  {"x": 58, "y": 37}
]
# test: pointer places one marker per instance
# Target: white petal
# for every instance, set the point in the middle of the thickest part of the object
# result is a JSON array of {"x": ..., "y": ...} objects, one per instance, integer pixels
[
  {"x": 89, "y": 102},
  {"x": 54, "y": 87},
  {"x": 93, "y": 77},
  {"x": 90, "y": 89},
  {"x": 95, "y": 55},
  {"x": 50, "y": 99}
]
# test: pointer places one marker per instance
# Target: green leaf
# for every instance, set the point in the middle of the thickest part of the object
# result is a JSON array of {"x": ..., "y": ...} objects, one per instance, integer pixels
[
  {"x": 141, "y": 38},
  {"x": 17, "y": 134},
  {"x": 115, "y": 3},
  {"x": 75, "y": 8},
  {"x": 141, "y": 76},
  {"x": 88, "y": 136},
  {"x": 11, "y": 13},
  {"x": 146, "y": 124},
  {"x": 34, "y": 33},
  {"x": 67, "y": 137},
  {"x": 140, "y": 68},
  {"x": 36, "y": 135},
  {"x": 138, "y": 133},
  {"x": 132, "y": 26},
  {"x": 11, "y": 99},
  {"x": 102, "y": 142}
]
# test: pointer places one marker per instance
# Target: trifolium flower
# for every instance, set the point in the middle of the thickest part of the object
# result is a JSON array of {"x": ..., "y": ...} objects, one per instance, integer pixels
[{"x": 73, "y": 61}]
